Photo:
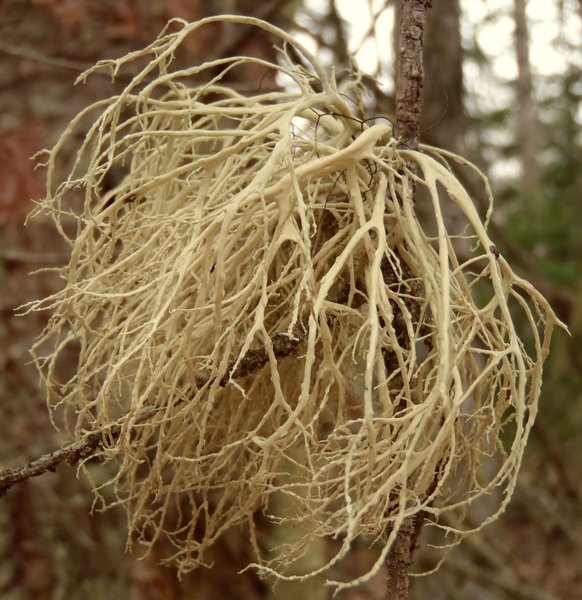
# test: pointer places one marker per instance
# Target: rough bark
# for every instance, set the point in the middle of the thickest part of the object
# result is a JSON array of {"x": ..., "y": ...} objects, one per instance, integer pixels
[
  {"x": 399, "y": 563},
  {"x": 71, "y": 453},
  {"x": 410, "y": 71},
  {"x": 527, "y": 126}
]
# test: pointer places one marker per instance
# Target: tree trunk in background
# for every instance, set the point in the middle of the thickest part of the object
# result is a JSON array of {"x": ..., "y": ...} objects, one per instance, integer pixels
[
  {"x": 443, "y": 117},
  {"x": 442, "y": 121},
  {"x": 527, "y": 125}
]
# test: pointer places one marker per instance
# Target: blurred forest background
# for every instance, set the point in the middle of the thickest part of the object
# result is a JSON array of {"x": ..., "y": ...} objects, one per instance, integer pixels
[{"x": 486, "y": 98}]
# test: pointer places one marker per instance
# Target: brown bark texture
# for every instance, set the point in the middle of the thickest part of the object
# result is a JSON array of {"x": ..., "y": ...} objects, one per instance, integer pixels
[
  {"x": 399, "y": 563},
  {"x": 410, "y": 71}
]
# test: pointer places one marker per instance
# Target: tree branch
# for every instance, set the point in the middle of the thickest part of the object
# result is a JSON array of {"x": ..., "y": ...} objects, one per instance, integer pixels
[
  {"x": 409, "y": 97},
  {"x": 410, "y": 72},
  {"x": 73, "y": 452},
  {"x": 399, "y": 562},
  {"x": 70, "y": 453}
]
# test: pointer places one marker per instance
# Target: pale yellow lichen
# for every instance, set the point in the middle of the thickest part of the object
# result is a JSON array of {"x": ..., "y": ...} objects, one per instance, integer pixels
[{"x": 247, "y": 220}]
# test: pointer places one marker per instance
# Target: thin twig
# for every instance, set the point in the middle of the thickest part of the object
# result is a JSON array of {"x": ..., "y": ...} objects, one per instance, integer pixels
[
  {"x": 73, "y": 452},
  {"x": 399, "y": 562},
  {"x": 70, "y": 453},
  {"x": 51, "y": 61}
]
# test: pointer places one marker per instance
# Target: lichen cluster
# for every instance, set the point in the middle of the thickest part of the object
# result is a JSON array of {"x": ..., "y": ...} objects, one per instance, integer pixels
[{"x": 257, "y": 309}]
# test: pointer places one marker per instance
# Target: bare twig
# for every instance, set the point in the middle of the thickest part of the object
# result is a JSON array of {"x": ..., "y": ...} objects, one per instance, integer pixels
[
  {"x": 410, "y": 73},
  {"x": 399, "y": 562},
  {"x": 70, "y": 453}
]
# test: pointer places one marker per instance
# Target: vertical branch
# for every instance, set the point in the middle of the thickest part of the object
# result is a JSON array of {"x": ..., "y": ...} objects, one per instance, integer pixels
[
  {"x": 409, "y": 96},
  {"x": 410, "y": 72},
  {"x": 399, "y": 562}
]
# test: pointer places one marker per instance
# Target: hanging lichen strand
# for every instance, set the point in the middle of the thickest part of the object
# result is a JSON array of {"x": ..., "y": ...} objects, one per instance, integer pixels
[{"x": 258, "y": 292}]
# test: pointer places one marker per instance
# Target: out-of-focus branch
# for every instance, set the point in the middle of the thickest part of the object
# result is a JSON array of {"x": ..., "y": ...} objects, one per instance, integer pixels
[
  {"x": 51, "y": 61},
  {"x": 267, "y": 11},
  {"x": 556, "y": 457},
  {"x": 488, "y": 565},
  {"x": 15, "y": 256},
  {"x": 340, "y": 38}
]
